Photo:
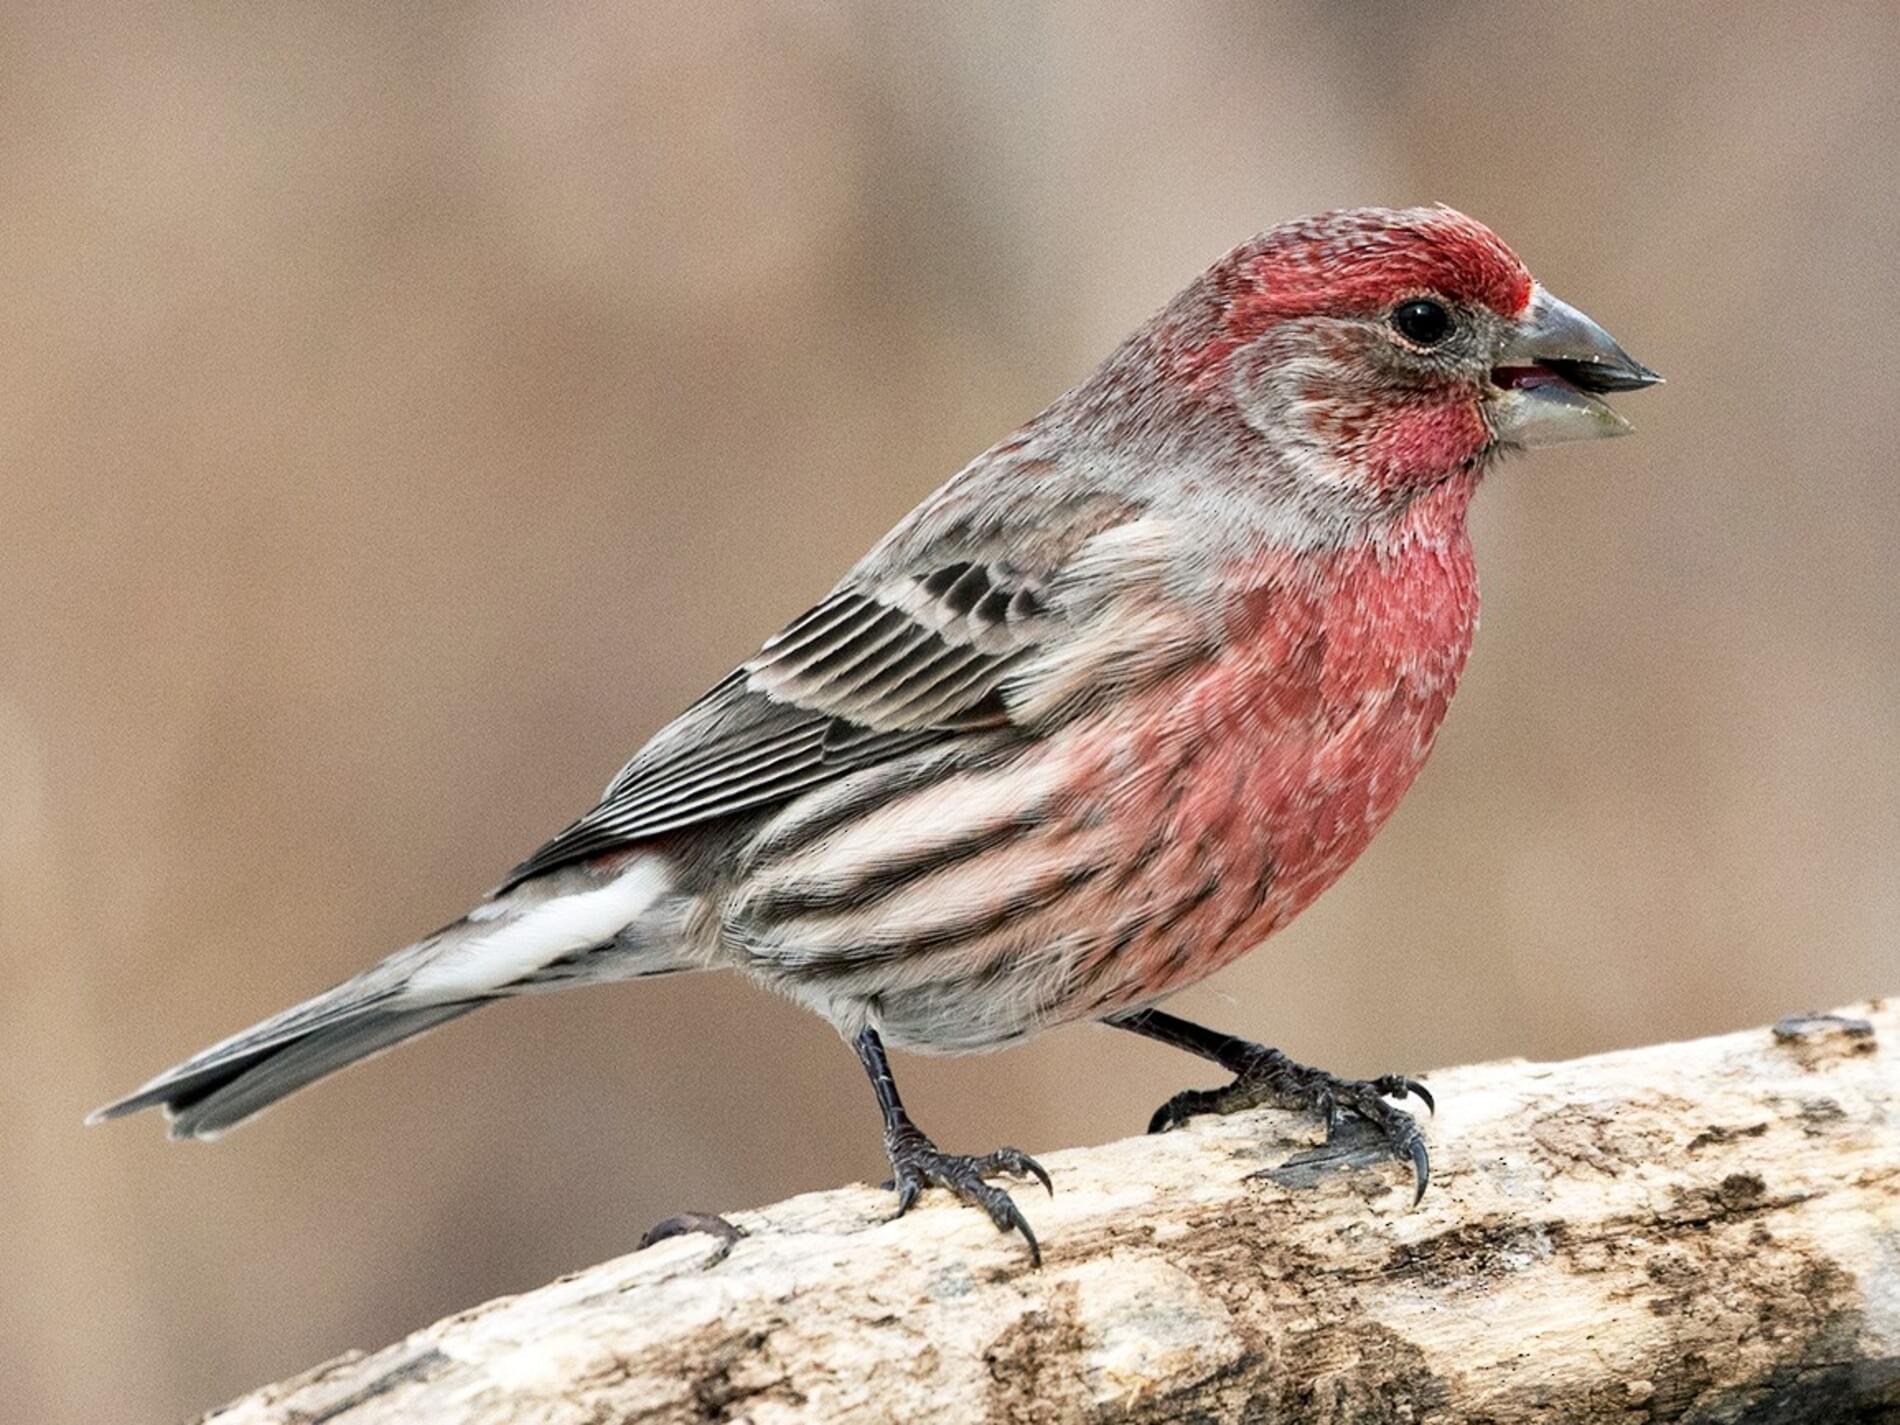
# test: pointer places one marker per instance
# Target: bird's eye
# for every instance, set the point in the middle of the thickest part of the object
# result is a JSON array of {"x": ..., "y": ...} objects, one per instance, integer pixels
[{"x": 1422, "y": 321}]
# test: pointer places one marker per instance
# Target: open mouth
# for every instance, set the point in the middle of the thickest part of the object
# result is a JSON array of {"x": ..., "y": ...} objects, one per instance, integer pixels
[
  {"x": 1549, "y": 383},
  {"x": 1595, "y": 377}
]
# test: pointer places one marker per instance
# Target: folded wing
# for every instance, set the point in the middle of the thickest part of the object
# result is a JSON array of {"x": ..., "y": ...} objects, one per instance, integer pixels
[{"x": 867, "y": 675}]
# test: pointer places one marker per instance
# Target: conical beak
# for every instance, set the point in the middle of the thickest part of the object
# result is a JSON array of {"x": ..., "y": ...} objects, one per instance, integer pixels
[{"x": 1549, "y": 376}]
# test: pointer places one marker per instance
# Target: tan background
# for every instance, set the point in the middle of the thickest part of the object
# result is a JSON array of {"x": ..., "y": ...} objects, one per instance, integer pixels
[{"x": 405, "y": 408}]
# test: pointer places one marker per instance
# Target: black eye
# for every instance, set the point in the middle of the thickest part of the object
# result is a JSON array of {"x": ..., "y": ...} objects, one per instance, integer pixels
[{"x": 1422, "y": 321}]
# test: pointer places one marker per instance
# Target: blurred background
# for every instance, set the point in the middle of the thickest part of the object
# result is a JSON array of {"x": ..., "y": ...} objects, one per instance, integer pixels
[{"x": 404, "y": 409}]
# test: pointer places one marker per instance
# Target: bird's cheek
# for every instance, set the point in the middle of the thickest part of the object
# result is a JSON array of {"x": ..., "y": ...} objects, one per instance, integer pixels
[{"x": 1421, "y": 444}]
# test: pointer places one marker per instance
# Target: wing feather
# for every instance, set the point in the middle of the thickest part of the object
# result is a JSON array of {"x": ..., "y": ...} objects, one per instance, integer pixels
[{"x": 865, "y": 676}]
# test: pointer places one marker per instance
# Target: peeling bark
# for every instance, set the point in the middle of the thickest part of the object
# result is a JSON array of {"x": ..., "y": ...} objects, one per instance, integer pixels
[{"x": 1706, "y": 1231}]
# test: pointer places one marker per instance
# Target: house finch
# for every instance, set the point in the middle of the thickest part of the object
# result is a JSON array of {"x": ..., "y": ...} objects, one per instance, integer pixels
[{"x": 1100, "y": 715}]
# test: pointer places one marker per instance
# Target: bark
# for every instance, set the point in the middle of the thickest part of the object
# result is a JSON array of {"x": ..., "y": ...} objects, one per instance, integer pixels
[{"x": 1705, "y": 1231}]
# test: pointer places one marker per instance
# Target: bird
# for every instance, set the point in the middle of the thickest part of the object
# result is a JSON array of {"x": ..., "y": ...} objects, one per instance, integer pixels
[{"x": 1100, "y": 715}]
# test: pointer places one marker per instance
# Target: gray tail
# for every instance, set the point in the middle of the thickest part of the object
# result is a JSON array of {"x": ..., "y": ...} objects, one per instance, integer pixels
[
  {"x": 542, "y": 935},
  {"x": 229, "y": 1082}
]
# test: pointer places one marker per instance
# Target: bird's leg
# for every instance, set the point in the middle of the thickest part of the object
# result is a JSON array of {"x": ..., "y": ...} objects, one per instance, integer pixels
[
  {"x": 916, "y": 1162},
  {"x": 1266, "y": 1076}
]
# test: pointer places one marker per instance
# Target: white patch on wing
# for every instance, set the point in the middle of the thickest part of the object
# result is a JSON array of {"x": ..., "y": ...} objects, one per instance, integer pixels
[{"x": 488, "y": 960}]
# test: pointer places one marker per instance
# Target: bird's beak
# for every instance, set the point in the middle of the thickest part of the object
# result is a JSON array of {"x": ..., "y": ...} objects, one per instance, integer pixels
[{"x": 1550, "y": 373}]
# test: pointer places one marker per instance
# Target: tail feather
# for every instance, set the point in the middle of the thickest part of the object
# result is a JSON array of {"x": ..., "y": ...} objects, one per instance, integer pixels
[
  {"x": 211, "y": 1105},
  {"x": 229, "y": 1082},
  {"x": 219, "y": 1064},
  {"x": 572, "y": 927}
]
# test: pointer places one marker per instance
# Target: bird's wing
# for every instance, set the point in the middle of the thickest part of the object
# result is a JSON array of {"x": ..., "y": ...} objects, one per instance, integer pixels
[
  {"x": 1017, "y": 595},
  {"x": 876, "y": 670}
]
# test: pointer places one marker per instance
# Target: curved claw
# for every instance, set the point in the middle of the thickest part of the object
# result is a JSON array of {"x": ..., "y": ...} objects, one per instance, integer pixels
[
  {"x": 686, "y": 1223},
  {"x": 907, "y": 1192},
  {"x": 1399, "y": 1086},
  {"x": 920, "y": 1164},
  {"x": 1182, "y": 1107},
  {"x": 1018, "y": 1163},
  {"x": 1009, "y": 1218},
  {"x": 1421, "y": 1168},
  {"x": 1266, "y": 1076},
  {"x": 1400, "y": 1131}
]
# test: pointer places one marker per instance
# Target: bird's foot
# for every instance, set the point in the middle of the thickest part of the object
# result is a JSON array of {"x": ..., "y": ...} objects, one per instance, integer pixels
[
  {"x": 1269, "y": 1078},
  {"x": 918, "y": 1164},
  {"x": 711, "y": 1224},
  {"x": 687, "y": 1223}
]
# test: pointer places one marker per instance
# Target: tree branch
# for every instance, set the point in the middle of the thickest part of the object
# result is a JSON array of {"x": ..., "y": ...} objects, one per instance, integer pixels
[{"x": 1706, "y": 1231}]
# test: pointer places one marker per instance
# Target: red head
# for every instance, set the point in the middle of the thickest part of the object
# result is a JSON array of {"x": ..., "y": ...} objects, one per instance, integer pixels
[
  {"x": 1375, "y": 347},
  {"x": 1365, "y": 260}
]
